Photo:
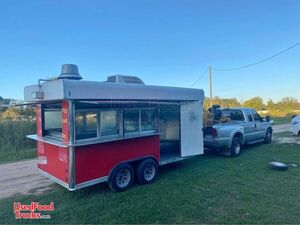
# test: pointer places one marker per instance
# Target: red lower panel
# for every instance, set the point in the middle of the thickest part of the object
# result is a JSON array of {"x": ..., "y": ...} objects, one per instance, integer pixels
[
  {"x": 95, "y": 161},
  {"x": 53, "y": 160}
]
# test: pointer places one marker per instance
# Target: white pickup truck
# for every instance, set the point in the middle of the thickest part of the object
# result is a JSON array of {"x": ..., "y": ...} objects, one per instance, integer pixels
[{"x": 234, "y": 127}]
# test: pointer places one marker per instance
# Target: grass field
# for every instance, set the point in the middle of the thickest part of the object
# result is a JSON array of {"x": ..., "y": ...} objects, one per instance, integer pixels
[
  {"x": 14, "y": 145},
  {"x": 281, "y": 120},
  {"x": 12, "y": 156},
  {"x": 205, "y": 189}
]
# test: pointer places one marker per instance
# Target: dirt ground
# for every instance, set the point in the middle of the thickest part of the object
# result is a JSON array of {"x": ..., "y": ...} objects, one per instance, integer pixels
[
  {"x": 23, "y": 178},
  {"x": 281, "y": 128},
  {"x": 288, "y": 140},
  {"x": 284, "y": 140}
]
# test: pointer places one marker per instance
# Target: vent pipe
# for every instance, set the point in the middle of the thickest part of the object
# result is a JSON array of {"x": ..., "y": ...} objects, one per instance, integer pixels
[{"x": 70, "y": 71}]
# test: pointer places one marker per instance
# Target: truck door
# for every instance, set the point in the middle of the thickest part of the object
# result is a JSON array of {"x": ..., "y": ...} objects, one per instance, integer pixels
[
  {"x": 259, "y": 129},
  {"x": 191, "y": 123},
  {"x": 249, "y": 127}
]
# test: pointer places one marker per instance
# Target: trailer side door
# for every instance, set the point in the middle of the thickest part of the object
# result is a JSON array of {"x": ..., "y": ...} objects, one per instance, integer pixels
[{"x": 191, "y": 123}]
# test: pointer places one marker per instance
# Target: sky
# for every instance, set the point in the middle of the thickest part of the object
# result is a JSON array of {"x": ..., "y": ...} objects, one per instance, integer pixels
[{"x": 164, "y": 42}]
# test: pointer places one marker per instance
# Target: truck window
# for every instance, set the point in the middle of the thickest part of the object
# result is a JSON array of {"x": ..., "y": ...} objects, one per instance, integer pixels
[
  {"x": 86, "y": 125},
  {"x": 52, "y": 125},
  {"x": 233, "y": 114},
  {"x": 256, "y": 116},
  {"x": 249, "y": 115},
  {"x": 109, "y": 123}
]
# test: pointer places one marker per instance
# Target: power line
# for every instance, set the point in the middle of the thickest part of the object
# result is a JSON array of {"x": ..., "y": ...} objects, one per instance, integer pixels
[
  {"x": 258, "y": 62},
  {"x": 199, "y": 78}
]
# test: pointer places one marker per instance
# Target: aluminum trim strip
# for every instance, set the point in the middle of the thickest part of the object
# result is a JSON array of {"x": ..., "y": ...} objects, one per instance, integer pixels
[
  {"x": 91, "y": 182},
  {"x": 72, "y": 176},
  {"x": 172, "y": 160},
  {"x": 88, "y": 141},
  {"x": 47, "y": 140},
  {"x": 99, "y": 141},
  {"x": 53, "y": 178}
]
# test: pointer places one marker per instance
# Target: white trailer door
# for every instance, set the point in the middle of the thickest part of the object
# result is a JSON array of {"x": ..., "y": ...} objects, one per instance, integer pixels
[{"x": 191, "y": 123}]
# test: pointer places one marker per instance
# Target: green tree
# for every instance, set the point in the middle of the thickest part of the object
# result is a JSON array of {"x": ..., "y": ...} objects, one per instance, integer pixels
[
  {"x": 10, "y": 114},
  {"x": 230, "y": 102},
  {"x": 255, "y": 103},
  {"x": 288, "y": 104},
  {"x": 271, "y": 105},
  {"x": 224, "y": 103}
]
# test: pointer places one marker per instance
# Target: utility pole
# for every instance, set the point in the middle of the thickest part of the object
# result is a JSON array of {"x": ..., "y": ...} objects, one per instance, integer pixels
[{"x": 210, "y": 86}]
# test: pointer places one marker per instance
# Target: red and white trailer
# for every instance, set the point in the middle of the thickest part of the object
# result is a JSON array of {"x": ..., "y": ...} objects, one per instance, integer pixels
[{"x": 113, "y": 131}]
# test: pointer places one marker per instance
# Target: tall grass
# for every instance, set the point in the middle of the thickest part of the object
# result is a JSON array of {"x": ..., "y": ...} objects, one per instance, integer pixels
[{"x": 13, "y": 135}]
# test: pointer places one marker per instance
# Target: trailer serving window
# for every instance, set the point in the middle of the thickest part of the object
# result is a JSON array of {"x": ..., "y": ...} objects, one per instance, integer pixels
[
  {"x": 109, "y": 123},
  {"x": 131, "y": 120},
  {"x": 86, "y": 125},
  {"x": 139, "y": 120},
  {"x": 148, "y": 119},
  {"x": 104, "y": 123},
  {"x": 52, "y": 122}
]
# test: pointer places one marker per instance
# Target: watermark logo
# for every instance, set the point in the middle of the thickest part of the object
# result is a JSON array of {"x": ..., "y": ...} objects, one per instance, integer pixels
[{"x": 33, "y": 211}]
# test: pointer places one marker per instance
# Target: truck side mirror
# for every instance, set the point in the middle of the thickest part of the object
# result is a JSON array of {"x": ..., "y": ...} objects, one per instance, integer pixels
[{"x": 268, "y": 119}]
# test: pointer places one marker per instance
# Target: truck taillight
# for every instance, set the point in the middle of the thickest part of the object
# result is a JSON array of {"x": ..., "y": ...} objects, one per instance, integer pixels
[{"x": 214, "y": 132}]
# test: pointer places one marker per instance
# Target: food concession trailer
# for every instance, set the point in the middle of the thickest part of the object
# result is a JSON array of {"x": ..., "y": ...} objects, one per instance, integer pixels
[{"x": 113, "y": 131}]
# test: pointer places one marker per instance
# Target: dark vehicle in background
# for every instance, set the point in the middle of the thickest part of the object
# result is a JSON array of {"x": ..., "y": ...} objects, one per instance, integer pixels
[{"x": 231, "y": 128}]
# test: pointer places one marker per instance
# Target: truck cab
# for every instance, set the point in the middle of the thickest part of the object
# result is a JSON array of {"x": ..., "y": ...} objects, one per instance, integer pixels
[{"x": 228, "y": 129}]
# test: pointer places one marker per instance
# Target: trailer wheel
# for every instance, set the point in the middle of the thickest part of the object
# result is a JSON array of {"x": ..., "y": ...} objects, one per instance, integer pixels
[
  {"x": 147, "y": 171},
  {"x": 236, "y": 146},
  {"x": 121, "y": 178},
  {"x": 268, "y": 137}
]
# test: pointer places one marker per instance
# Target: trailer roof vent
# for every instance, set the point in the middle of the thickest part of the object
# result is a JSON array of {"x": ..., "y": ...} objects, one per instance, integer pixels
[
  {"x": 70, "y": 71},
  {"x": 124, "y": 79}
]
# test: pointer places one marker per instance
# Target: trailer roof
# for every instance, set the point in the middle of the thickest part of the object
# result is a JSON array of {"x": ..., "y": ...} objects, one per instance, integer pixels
[{"x": 94, "y": 90}]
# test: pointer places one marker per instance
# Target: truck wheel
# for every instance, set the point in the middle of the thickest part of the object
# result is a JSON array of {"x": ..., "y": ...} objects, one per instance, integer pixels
[
  {"x": 278, "y": 166},
  {"x": 121, "y": 178},
  {"x": 268, "y": 137},
  {"x": 236, "y": 147},
  {"x": 147, "y": 171}
]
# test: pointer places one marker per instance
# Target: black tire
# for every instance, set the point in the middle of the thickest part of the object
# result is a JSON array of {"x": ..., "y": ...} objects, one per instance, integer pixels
[
  {"x": 121, "y": 178},
  {"x": 147, "y": 171},
  {"x": 236, "y": 147},
  {"x": 278, "y": 166},
  {"x": 268, "y": 137}
]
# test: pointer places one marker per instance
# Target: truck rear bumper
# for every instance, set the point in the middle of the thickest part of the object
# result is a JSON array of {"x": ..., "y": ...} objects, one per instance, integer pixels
[{"x": 220, "y": 143}]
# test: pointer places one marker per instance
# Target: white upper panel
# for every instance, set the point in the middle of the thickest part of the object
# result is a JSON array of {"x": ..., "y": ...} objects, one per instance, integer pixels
[{"x": 93, "y": 90}]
